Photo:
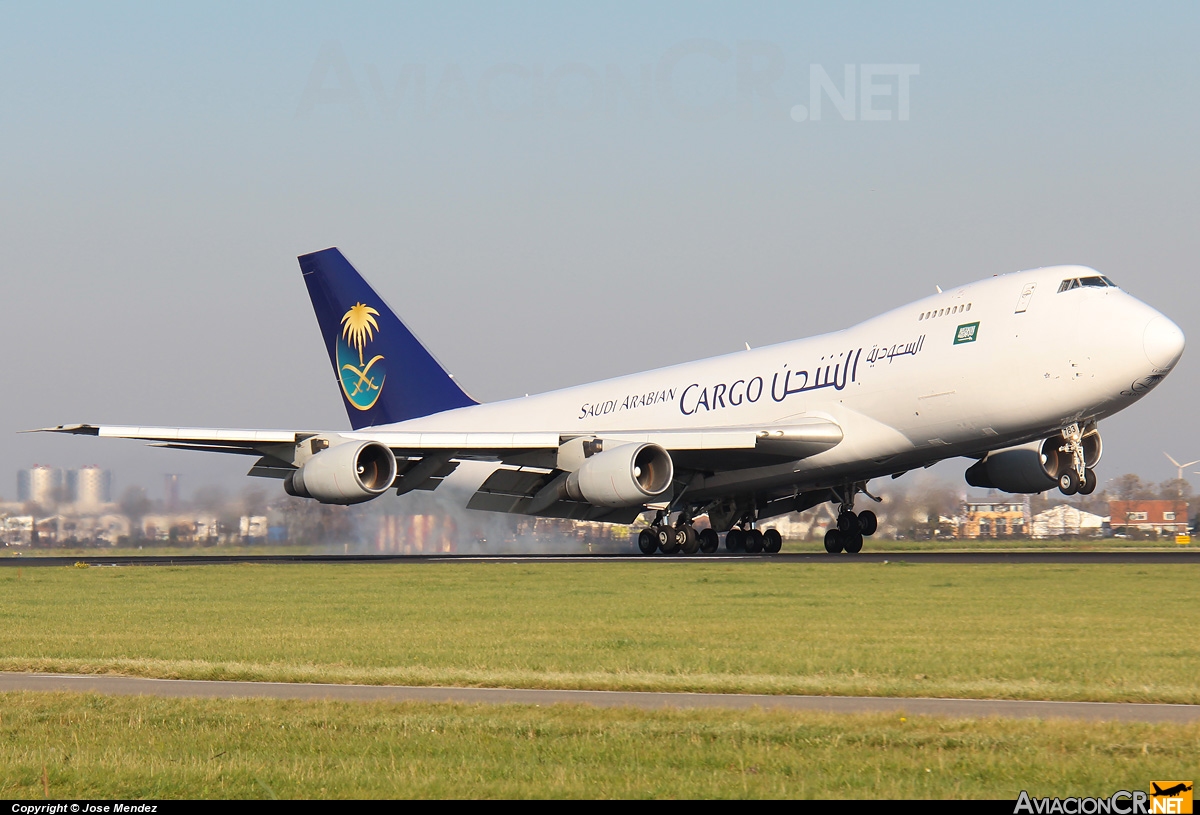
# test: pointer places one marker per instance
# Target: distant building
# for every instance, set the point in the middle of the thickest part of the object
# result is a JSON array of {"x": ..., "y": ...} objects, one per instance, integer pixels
[
  {"x": 171, "y": 492},
  {"x": 1065, "y": 520},
  {"x": 17, "y": 530},
  {"x": 40, "y": 484},
  {"x": 253, "y": 527},
  {"x": 993, "y": 519},
  {"x": 415, "y": 534},
  {"x": 89, "y": 486},
  {"x": 111, "y": 529},
  {"x": 1149, "y": 517}
]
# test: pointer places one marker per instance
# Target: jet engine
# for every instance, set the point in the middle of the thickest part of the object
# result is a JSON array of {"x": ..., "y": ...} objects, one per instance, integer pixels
[
  {"x": 624, "y": 476},
  {"x": 1033, "y": 467},
  {"x": 348, "y": 473}
]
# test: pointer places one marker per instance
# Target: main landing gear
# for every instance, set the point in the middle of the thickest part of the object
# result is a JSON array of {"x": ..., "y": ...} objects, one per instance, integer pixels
[
  {"x": 684, "y": 538},
  {"x": 852, "y": 526},
  {"x": 1078, "y": 477},
  {"x": 746, "y": 538},
  {"x": 671, "y": 540}
]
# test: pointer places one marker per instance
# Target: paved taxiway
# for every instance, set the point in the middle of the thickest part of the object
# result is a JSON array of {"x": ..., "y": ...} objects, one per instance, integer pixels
[
  {"x": 1119, "y": 556},
  {"x": 958, "y": 708}
]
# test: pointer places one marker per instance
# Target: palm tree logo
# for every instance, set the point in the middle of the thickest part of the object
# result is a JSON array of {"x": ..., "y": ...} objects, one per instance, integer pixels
[{"x": 359, "y": 327}]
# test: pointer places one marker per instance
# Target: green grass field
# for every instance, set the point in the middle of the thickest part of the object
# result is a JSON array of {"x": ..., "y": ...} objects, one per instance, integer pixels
[
  {"x": 95, "y": 747},
  {"x": 1010, "y": 631},
  {"x": 1105, "y": 633}
]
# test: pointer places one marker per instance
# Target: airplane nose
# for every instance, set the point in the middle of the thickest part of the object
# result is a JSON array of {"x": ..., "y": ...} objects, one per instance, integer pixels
[{"x": 1163, "y": 342}]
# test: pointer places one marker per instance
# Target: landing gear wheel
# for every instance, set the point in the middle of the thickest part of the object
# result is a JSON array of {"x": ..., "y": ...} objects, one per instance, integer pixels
[
  {"x": 772, "y": 541},
  {"x": 867, "y": 522},
  {"x": 1089, "y": 482},
  {"x": 833, "y": 541},
  {"x": 847, "y": 522},
  {"x": 648, "y": 542},
  {"x": 666, "y": 540},
  {"x": 754, "y": 541},
  {"x": 690, "y": 543},
  {"x": 735, "y": 539},
  {"x": 710, "y": 541},
  {"x": 1068, "y": 483},
  {"x": 852, "y": 543}
]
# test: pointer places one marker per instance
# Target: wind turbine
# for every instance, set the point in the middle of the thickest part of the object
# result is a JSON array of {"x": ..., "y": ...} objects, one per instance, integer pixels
[{"x": 1180, "y": 466}]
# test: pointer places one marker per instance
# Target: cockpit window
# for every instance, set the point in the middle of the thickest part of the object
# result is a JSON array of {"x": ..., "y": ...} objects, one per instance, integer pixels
[{"x": 1099, "y": 282}]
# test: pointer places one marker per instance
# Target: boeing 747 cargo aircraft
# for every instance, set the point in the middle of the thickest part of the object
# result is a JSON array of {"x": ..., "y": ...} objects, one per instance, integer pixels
[{"x": 1014, "y": 372}]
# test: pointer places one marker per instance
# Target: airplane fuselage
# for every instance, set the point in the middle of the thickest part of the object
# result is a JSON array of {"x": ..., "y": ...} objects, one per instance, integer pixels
[{"x": 983, "y": 366}]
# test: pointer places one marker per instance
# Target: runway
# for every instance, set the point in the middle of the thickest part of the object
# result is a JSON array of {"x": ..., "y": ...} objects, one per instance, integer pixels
[
  {"x": 957, "y": 708},
  {"x": 1120, "y": 556}
]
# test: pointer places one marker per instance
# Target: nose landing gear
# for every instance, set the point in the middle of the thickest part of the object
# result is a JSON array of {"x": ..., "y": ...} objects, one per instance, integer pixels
[{"x": 1078, "y": 478}]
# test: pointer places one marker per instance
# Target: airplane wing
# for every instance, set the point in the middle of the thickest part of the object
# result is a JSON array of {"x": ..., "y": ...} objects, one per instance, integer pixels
[{"x": 425, "y": 458}]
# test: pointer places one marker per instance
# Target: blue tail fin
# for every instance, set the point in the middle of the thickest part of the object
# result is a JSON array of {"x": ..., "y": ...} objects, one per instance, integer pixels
[{"x": 384, "y": 373}]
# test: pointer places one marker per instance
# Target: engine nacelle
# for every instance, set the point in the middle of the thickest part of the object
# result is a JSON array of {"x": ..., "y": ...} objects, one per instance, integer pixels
[
  {"x": 624, "y": 476},
  {"x": 1033, "y": 467},
  {"x": 347, "y": 473}
]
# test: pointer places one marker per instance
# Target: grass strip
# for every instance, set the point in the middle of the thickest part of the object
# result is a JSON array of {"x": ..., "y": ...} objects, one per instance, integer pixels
[
  {"x": 1097, "y": 632},
  {"x": 100, "y": 747}
]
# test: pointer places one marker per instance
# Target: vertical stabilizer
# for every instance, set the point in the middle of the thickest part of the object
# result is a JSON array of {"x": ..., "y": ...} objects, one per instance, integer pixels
[{"x": 384, "y": 373}]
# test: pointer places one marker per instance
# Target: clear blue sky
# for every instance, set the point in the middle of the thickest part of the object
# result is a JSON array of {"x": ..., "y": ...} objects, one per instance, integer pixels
[{"x": 539, "y": 214}]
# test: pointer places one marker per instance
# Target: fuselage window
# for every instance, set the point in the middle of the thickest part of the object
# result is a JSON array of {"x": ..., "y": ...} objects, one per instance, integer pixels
[{"x": 968, "y": 306}]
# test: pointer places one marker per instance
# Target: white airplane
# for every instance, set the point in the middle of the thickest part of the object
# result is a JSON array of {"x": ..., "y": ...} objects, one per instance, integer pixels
[{"x": 1014, "y": 371}]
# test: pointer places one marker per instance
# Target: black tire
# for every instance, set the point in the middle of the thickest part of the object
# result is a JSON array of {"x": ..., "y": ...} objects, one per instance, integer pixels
[
  {"x": 666, "y": 540},
  {"x": 710, "y": 541},
  {"x": 1068, "y": 483},
  {"x": 868, "y": 523},
  {"x": 852, "y": 543},
  {"x": 1089, "y": 482},
  {"x": 847, "y": 522},
  {"x": 691, "y": 541},
  {"x": 772, "y": 541},
  {"x": 735, "y": 539},
  {"x": 754, "y": 541},
  {"x": 833, "y": 541},
  {"x": 648, "y": 542}
]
